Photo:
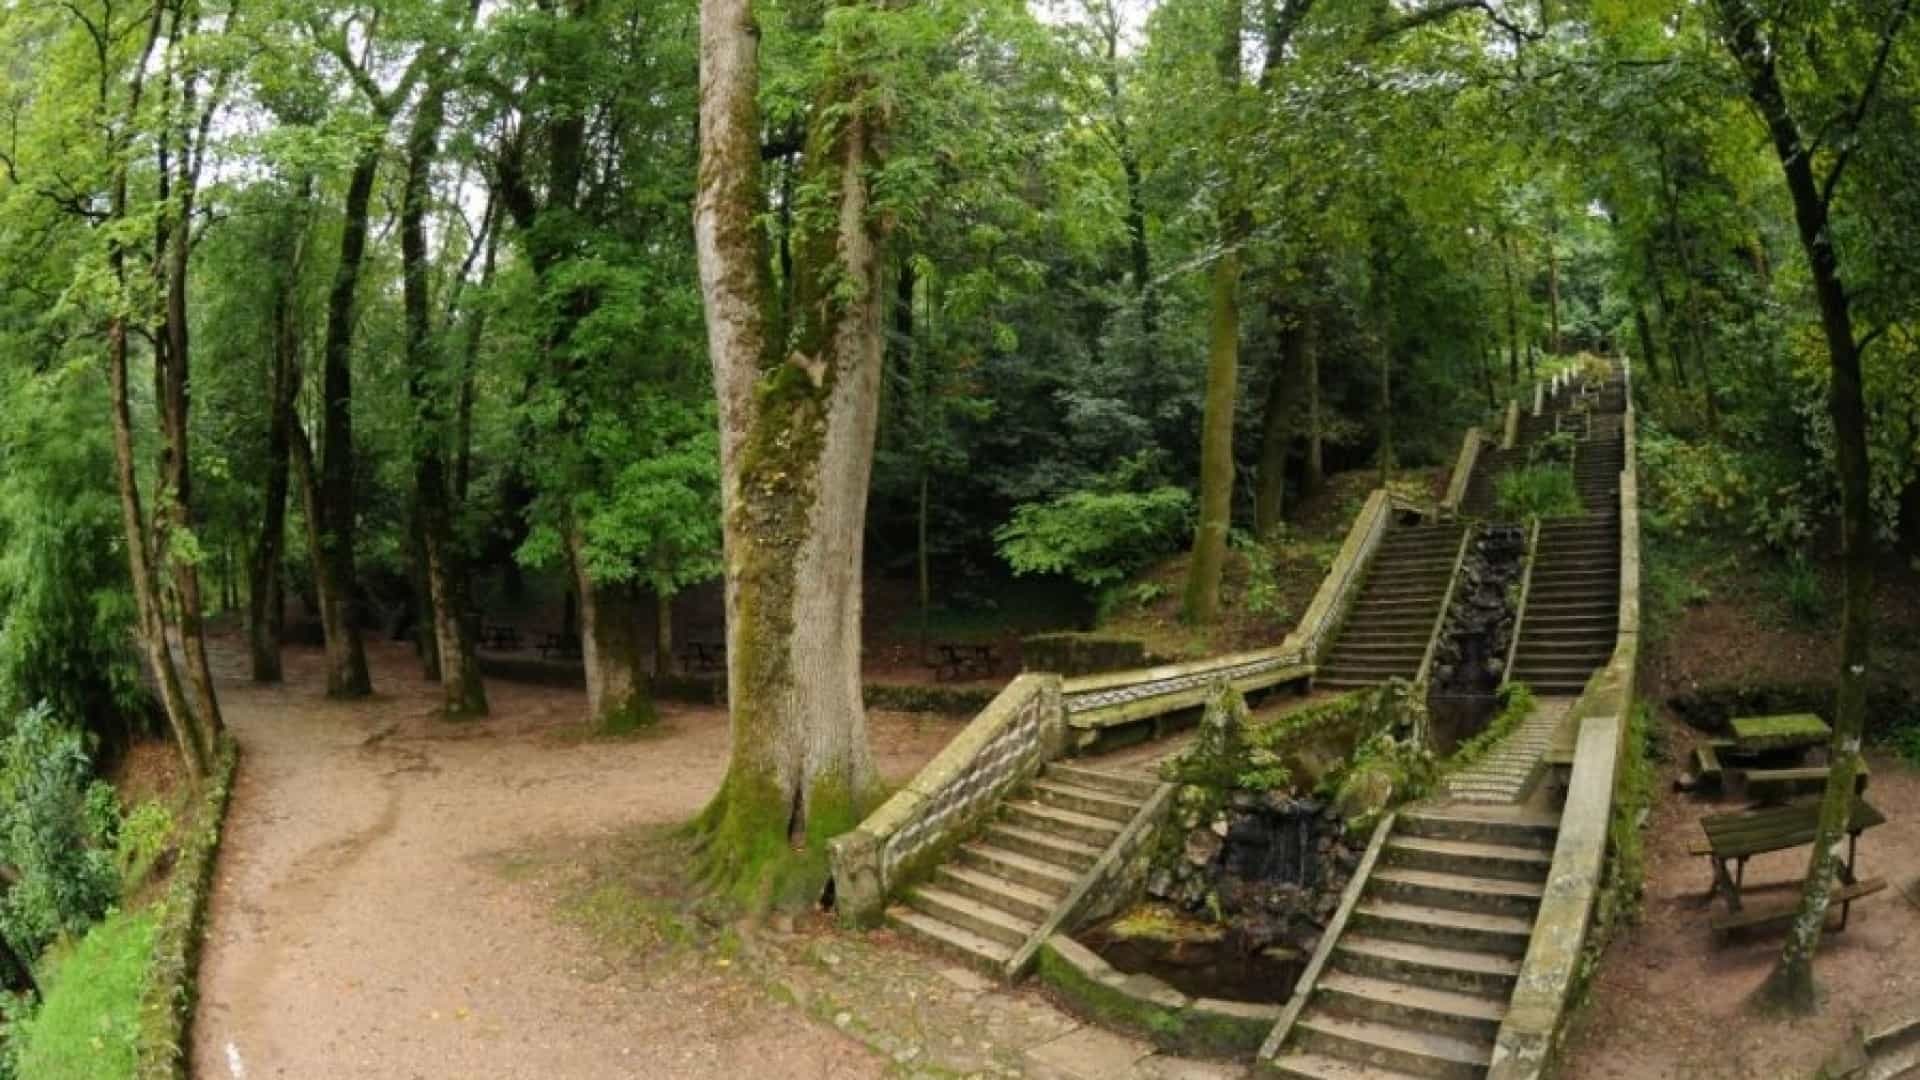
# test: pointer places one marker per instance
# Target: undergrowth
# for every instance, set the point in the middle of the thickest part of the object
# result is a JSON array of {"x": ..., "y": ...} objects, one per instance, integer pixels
[
  {"x": 1537, "y": 491},
  {"x": 87, "y": 1027}
]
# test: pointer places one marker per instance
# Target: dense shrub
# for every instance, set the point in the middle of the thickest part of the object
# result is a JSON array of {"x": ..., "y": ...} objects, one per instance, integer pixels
[
  {"x": 57, "y": 834},
  {"x": 1543, "y": 491},
  {"x": 1096, "y": 538}
]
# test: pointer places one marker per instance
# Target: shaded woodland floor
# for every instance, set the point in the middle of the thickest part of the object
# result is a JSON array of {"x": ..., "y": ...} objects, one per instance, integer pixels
[{"x": 401, "y": 897}]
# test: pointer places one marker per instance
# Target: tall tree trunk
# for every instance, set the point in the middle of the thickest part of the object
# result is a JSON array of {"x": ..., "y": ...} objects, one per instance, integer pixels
[
  {"x": 1201, "y": 603},
  {"x": 266, "y": 608},
  {"x": 797, "y": 431},
  {"x": 1791, "y": 983},
  {"x": 1383, "y": 308},
  {"x": 619, "y": 693},
  {"x": 347, "y": 674},
  {"x": 462, "y": 692},
  {"x": 1315, "y": 477},
  {"x": 1278, "y": 427},
  {"x": 1643, "y": 329},
  {"x": 1513, "y": 314},
  {"x": 1555, "y": 345}
]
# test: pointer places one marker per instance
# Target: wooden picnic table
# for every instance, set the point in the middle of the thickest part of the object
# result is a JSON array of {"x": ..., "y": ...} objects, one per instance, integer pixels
[
  {"x": 703, "y": 655},
  {"x": 561, "y": 644},
  {"x": 1736, "y": 837},
  {"x": 499, "y": 636},
  {"x": 1790, "y": 731}
]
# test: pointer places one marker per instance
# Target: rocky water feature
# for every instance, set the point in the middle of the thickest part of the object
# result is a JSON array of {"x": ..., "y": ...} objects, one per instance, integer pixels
[
  {"x": 1471, "y": 656},
  {"x": 1249, "y": 869}
]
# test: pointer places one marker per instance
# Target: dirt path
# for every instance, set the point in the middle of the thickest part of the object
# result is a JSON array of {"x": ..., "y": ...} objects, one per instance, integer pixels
[{"x": 361, "y": 927}]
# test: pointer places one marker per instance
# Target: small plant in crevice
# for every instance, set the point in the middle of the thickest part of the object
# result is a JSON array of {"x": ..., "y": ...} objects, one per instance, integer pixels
[{"x": 1516, "y": 704}]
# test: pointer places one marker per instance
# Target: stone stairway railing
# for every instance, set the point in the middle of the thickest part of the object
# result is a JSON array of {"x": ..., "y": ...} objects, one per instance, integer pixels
[{"x": 1537, "y": 1014}]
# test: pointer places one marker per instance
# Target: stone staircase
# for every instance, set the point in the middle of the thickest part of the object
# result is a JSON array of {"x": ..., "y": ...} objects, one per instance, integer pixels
[
  {"x": 1419, "y": 981},
  {"x": 1596, "y": 472},
  {"x": 1386, "y": 631},
  {"x": 1508, "y": 772},
  {"x": 993, "y": 892},
  {"x": 1893, "y": 1050},
  {"x": 1483, "y": 486},
  {"x": 1572, "y": 610}
]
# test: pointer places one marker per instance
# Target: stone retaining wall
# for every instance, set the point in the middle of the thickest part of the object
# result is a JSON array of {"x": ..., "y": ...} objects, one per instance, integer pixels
[{"x": 1142, "y": 1003}]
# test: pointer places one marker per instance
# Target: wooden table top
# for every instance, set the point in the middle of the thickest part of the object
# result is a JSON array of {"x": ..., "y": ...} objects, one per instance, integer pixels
[
  {"x": 1756, "y": 733},
  {"x": 1752, "y": 832}
]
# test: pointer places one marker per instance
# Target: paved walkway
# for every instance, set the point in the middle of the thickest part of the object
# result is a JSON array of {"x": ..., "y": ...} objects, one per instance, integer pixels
[{"x": 1507, "y": 773}]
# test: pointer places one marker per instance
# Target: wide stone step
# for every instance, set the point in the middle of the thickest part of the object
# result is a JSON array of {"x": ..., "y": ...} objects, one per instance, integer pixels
[
  {"x": 1042, "y": 845},
  {"x": 1478, "y": 858},
  {"x": 1458, "y": 891},
  {"x": 1365, "y": 674},
  {"x": 1083, "y": 800},
  {"x": 981, "y": 952},
  {"x": 1042, "y": 875},
  {"x": 1544, "y": 671},
  {"x": 1508, "y": 827},
  {"x": 1549, "y": 620},
  {"x": 1389, "y": 605},
  {"x": 1137, "y": 788},
  {"x": 1070, "y": 824},
  {"x": 971, "y": 915},
  {"x": 1410, "y": 1050},
  {"x": 1307, "y": 1065},
  {"x": 1377, "y": 638},
  {"x": 1443, "y": 1012},
  {"x": 1447, "y": 927},
  {"x": 1011, "y": 897}
]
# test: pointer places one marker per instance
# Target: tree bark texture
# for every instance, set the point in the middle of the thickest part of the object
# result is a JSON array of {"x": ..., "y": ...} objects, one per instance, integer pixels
[
  {"x": 463, "y": 694},
  {"x": 797, "y": 424},
  {"x": 619, "y": 694},
  {"x": 347, "y": 674},
  {"x": 266, "y": 600},
  {"x": 1278, "y": 426}
]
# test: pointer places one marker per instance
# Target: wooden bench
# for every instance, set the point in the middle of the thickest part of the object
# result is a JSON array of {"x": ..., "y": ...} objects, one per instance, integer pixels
[
  {"x": 1734, "y": 838},
  {"x": 956, "y": 659},
  {"x": 1780, "y": 912},
  {"x": 1775, "y": 786},
  {"x": 499, "y": 636}
]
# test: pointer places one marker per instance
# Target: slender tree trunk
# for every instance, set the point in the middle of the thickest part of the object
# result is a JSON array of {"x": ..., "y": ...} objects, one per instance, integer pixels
[
  {"x": 1556, "y": 346},
  {"x": 1278, "y": 428},
  {"x": 797, "y": 432},
  {"x": 462, "y": 692},
  {"x": 266, "y": 609},
  {"x": 1513, "y": 313},
  {"x": 347, "y": 674},
  {"x": 1791, "y": 984},
  {"x": 1316, "y": 475},
  {"x": 1644, "y": 330}
]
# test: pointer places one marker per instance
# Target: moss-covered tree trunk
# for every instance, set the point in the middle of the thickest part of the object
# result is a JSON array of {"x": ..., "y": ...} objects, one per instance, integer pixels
[
  {"x": 662, "y": 633},
  {"x": 619, "y": 693},
  {"x": 1201, "y": 601},
  {"x": 797, "y": 421},
  {"x": 1791, "y": 984}
]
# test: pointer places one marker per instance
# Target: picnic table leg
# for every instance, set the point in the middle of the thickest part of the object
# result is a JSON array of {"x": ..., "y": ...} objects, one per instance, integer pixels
[
  {"x": 1846, "y": 872},
  {"x": 1723, "y": 883}
]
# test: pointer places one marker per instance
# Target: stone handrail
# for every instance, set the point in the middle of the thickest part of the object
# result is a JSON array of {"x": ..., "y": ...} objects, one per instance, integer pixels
[
  {"x": 1462, "y": 471},
  {"x": 1535, "y": 1017},
  {"x": 1006, "y": 745},
  {"x": 1520, "y": 611},
  {"x": 1107, "y": 872},
  {"x": 1446, "y": 605},
  {"x": 1330, "y": 603}
]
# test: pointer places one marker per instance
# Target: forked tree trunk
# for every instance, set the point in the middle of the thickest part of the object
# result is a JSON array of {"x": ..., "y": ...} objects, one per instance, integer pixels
[
  {"x": 1791, "y": 983},
  {"x": 462, "y": 692},
  {"x": 797, "y": 430},
  {"x": 266, "y": 602},
  {"x": 662, "y": 633}
]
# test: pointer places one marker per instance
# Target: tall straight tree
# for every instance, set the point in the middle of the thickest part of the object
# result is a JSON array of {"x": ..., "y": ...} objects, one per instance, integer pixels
[
  {"x": 798, "y": 388},
  {"x": 462, "y": 692},
  {"x": 1758, "y": 46}
]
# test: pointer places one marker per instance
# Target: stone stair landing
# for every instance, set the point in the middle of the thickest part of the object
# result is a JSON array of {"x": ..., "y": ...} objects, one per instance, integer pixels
[{"x": 1507, "y": 774}]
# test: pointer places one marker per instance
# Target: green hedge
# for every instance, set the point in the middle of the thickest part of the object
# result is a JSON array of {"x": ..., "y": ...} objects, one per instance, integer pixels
[{"x": 166, "y": 1008}]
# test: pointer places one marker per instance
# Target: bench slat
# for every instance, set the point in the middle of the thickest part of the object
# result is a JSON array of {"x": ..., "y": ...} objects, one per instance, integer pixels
[{"x": 1756, "y": 831}]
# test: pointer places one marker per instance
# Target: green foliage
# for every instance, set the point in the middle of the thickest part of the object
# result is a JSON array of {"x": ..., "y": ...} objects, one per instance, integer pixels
[
  {"x": 1804, "y": 594},
  {"x": 57, "y": 829},
  {"x": 1537, "y": 491},
  {"x": 1262, "y": 595},
  {"x": 88, "y": 1025},
  {"x": 144, "y": 836},
  {"x": 1906, "y": 743},
  {"x": 1096, "y": 538}
]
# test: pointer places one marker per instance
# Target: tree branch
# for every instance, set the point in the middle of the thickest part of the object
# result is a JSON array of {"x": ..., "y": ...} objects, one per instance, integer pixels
[
  {"x": 1446, "y": 9},
  {"x": 1859, "y": 111}
]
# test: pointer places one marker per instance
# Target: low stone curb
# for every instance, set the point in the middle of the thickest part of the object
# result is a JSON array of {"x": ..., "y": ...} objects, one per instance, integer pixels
[
  {"x": 1171, "y": 1020},
  {"x": 166, "y": 1005}
]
